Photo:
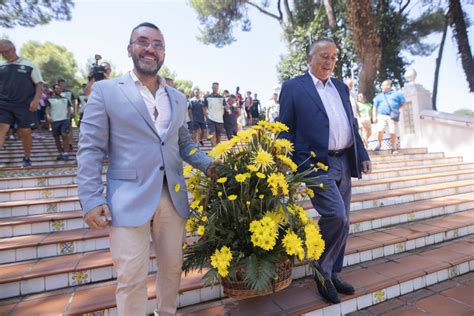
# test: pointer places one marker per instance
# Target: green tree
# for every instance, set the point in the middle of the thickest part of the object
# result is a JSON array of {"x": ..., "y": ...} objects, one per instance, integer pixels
[
  {"x": 54, "y": 61},
  {"x": 180, "y": 84},
  {"x": 32, "y": 13}
]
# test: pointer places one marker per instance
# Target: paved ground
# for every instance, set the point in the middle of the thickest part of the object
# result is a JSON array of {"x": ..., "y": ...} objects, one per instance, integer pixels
[{"x": 453, "y": 297}]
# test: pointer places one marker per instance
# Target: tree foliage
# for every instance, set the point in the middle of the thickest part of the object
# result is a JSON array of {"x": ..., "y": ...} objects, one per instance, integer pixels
[
  {"x": 32, "y": 13},
  {"x": 54, "y": 61},
  {"x": 181, "y": 84}
]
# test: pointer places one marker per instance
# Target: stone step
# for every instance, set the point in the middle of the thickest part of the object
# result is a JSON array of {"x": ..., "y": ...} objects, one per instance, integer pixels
[
  {"x": 359, "y": 201},
  {"x": 406, "y": 156},
  {"x": 375, "y": 282},
  {"x": 414, "y": 162},
  {"x": 50, "y": 156},
  {"x": 34, "y": 276},
  {"x": 40, "y": 191},
  {"x": 415, "y": 170},
  {"x": 39, "y": 162},
  {"x": 361, "y": 220}
]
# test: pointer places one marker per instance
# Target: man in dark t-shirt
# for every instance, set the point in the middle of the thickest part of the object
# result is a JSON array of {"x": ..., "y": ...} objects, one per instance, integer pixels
[
  {"x": 21, "y": 86},
  {"x": 196, "y": 113},
  {"x": 255, "y": 109},
  {"x": 230, "y": 117}
]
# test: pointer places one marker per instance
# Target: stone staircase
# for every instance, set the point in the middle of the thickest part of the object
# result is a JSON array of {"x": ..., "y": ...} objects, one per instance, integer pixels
[{"x": 412, "y": 225}]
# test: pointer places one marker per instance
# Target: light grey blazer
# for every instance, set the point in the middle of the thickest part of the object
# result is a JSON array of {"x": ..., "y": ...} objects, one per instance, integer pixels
[{"x": 117, "y": 125}]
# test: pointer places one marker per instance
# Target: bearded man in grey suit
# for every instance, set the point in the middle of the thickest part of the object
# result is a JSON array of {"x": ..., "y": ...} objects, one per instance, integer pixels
[{"x": 138, "y": 123}]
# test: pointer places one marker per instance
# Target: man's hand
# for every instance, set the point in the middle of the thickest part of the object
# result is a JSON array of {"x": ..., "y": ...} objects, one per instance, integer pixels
[
  {"x": 99, "y": 217},
  {"x": 366, "y": 167},
  {"x": 211, "y": 171},
  {"x": 34, "y": 106}
]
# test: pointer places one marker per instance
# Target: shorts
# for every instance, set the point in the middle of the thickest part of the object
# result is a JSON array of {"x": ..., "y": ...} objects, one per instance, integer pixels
[
  {"x": 198, "y": 125},
  {"x": 384, "y": 121},
  {"x": 60, "y": 127},
  {"x": 19, "y": 115},
  {"x": 214, "y": 127},
  {"x": 365, "y": 123}
]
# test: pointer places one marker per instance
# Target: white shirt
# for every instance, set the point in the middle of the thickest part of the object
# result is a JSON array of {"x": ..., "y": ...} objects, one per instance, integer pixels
[
  {"x": 340, "y": 136},
  {"x": 160, "y": 102}
]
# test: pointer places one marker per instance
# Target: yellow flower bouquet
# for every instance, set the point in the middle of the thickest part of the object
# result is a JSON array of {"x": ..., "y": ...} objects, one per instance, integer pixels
[{"x": 249, "y": 221}]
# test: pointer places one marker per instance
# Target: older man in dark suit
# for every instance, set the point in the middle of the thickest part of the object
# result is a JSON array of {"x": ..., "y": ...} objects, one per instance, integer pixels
[{"x": 318, "y": 112}]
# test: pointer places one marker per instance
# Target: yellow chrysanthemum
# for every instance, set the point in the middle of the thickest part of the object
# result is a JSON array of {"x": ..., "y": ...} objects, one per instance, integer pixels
[
  {"x": 222, "y": 180},
  {"x": 263, "y": 159},
  {"x": 284, "y": 146},
  {"x": 314, "y": 242},
  {"x": 194, "y": 204},
  {"x": 261, "y": 196},
  {"x": 201, "y": 230},
  {"x": 277, "y": 181},
  {"x": 221, "y": 259},
  {"x": 221, "y": 149},
  {"x": 191, "y": 225},
  {"x": 310, "y": 192},
  {"x": 252, "y": 168},
  {"x": 177, "y": 187},
  {"x": 322, "y": 166},
  {"x": 193, "y": 151},
  {"x": 187, "y": 170},
  {"x": 219, "y": 194},
  {"x": 293, "y": 245},
  {"x": 260, "y": 175},
  {"x": 241, "y": 177},
  {"x": 313, "y": 154},
  {"x": 232, "y": 197},
  {"x": 210, "y": 136},
  {"x": 287, "y": 161},
  {"x": 204, "y": 218},
  {"x": 264, "y": 233}
]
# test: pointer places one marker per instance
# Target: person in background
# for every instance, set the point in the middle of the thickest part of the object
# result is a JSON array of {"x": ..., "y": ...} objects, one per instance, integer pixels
[
  {"x": 384, "y": 102},
  {"x": 366, "y": 112},
  {"x": 273, "y": 108},
  {"x": 230, "y": 117},
  {"x": 198, "y": 121},
  {"x": 58, "y": 111},
  {"x": 214, "y": 106},
  {"x": 21, "y": 87}
]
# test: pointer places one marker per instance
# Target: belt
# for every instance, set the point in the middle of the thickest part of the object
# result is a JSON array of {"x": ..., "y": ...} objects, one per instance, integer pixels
[{"x": 337, "y": 153}]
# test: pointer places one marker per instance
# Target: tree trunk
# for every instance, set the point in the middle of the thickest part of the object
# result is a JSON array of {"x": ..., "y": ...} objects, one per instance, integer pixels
[
  {"x": 331, "y": 15},
  {"x": 438, "y": 64},
  {"x": 366, "y": 41},
  {"x": 456, "y": 20}
]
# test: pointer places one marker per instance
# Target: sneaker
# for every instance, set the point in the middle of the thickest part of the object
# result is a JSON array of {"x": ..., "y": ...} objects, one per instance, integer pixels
[
  {"x": 201, "y": 143},
  {"x": 59, "y": 157},
  {"x": 377, "y": 148},
  {"x": 26, "y": 162},
  {"x": 11, "y": 137},
  {"x": 66, "y": 157},
  {"x": 395, "y": 152}
]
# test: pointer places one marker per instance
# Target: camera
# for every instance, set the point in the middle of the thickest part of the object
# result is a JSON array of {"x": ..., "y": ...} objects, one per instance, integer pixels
[{"x": 97, "y": 71}]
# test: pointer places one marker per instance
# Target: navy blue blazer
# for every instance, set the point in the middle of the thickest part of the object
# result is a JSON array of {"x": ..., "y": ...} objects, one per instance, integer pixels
[{"x": 302, "y": 110}]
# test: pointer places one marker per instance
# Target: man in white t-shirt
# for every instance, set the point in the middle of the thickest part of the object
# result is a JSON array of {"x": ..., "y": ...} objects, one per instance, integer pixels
[{"x": 214, "y": 106}]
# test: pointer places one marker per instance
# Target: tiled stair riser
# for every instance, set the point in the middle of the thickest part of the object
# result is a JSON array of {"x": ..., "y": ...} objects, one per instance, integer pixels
[
  {"x": 380, "y": 158},
  {"x": 106, "y": 273},
  {"x": 357, "y": 189},
  {"x": 393, "y": 291},
  {"x": 410, "y": 197},
  {"x": 54, "y": 249},
  {"x": 39, "y": 209},
  {"x": 42, "y": 227},
  {"x": 28, "y": 194},
  {"x": 409, "y": 163},
  {"x": 414, "y": 171},
  {"x": 39, "y": 182},
  {"x": 408, "y": 217},
  {"x": 75, "y": 205}
]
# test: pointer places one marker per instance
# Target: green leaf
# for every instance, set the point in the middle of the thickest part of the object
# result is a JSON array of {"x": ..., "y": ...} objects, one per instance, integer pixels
[{"x": 260, "y": 271}]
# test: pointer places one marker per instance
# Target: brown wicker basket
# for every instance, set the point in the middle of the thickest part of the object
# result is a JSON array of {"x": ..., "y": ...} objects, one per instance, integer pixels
[{"x": 239, "y": 289}]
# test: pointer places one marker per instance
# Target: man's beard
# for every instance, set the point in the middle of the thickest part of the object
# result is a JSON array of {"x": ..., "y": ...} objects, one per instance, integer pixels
[{"x": 146, "y": 69}]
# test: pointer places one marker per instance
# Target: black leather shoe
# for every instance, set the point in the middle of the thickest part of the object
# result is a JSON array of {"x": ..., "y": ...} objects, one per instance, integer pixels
[
  {"x": 327, "y": 290},
  {"x": 342, "y": 286}
]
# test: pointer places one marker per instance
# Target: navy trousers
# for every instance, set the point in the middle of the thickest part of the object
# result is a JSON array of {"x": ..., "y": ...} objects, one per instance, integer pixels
[{"x": 333, "y": 204}]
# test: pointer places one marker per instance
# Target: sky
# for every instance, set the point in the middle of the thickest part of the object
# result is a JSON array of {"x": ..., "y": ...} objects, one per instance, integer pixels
[{"x": 103, "y": 27}]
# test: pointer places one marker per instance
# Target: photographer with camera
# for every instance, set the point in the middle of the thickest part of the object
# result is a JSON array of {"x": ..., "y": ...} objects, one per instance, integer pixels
[{"x": 97, "y": 73}]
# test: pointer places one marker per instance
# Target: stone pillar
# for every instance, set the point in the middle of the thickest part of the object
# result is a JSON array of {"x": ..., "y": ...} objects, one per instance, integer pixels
[{"x": 418, "y": 99}]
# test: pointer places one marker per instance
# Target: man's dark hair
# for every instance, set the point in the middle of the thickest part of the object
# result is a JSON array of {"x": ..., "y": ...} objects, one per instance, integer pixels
[
  {"x": 217, "y": 83},
  {"x": 61, "y": 80},
  {"x": 6, "y": 42},
  {"x": 144, "y": 24},
  {"x": 56, "y": 85},
  {"x": 232, "y": 96},
  {"x": 226, "y": 91},
  {"x": 316, "y": 42}
]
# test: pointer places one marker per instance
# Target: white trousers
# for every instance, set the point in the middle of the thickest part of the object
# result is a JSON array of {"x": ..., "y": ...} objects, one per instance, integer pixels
[{"x": 130, "y": 248}]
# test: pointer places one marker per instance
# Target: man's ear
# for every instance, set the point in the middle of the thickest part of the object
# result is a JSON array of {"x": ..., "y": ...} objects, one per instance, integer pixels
[{"x": 129, "y": 50}]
